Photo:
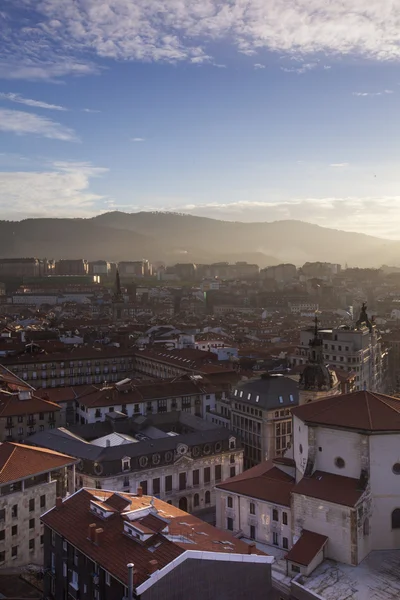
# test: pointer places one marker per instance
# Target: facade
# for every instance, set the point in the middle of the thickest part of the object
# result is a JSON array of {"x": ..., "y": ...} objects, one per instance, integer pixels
[
  {"x": 78, "y": 367},
  {"x": 30, "y": 481},
  {"x": 19, "y": 267},
  {"x": 176, "y": 457},
  {"x": 22, "y": 412},
  {"x": 72, "y": 267},
  {"x": 170, "y": 554},
  {"x": 280, "y": 273},
  {"x": 261, "y": 416},
  {"x": 357, "y": 349},
  {"x": 170, "y": 363}
]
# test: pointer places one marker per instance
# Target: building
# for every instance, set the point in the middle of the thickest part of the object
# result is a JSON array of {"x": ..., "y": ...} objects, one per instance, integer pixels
[
  {"x": 317, "y": 380},
  {"x": 357, "y": 349},
  {"x": 170, "y": 363},
  {"x": 91, "y": 536},
  {"x": 175, "y": 456},
  {"x": 261, "y": 416},
  {"x": 137, "y": 268},
  {"x": 30, "y": 481},
  {"x": 22, "y": 412},
  {"x": 283, "y": 273},
  {"x": 19, "y": 267},
  {"x": 256, "y": 504},
  {"x": 72, "y": 267}
]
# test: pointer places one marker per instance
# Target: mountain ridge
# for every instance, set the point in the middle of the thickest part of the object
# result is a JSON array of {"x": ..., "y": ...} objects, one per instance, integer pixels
[{"x": 176, "y": 237}]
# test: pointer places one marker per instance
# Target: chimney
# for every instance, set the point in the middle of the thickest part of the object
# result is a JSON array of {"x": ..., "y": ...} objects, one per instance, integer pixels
[
  {"x": 130, "y": 580},
  {"x": 108, "y": 443},
  {"x": 139, "y": 491},
  {"x": 251, "y": 548},
  {"x": 91, "y": 528},
  {"x": 97, "y": 535},
  {"x": 153, "y": 566},
  {"x": 59, "y": 502}
]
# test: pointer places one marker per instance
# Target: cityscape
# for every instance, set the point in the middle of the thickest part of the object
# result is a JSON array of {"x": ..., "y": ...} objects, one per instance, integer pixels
[{"x": 199, "y": 300}]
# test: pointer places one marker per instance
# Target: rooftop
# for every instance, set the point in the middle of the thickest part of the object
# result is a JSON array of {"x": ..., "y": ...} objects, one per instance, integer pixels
[
  {"x": 269, "y": 392},
  {"x": 336, "y": 489},
  {"x": 18, "y": 461}
]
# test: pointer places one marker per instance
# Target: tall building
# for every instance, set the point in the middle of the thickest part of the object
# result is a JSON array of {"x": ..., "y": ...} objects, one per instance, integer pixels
[
  {"x": 100, "y": 544},
  {"x": 317, "y": 379},
  {"x": 358, "y": 348}
]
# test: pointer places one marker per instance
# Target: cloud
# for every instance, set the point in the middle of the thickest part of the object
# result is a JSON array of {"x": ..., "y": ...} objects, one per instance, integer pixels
[
  {"x": 21, "y": 123},
  {"x": 90, "y": 110},
  {"x": 300, "y": 70},
  {"x": 259, "y": 66},
  {"x": 61, "y": 38},
  {"x": 339, "y": 165},
  {"x": 138, "y": 139},
  {"x": 59, "y": 191},
  {"x": 365, "y": 94},
  {"x": 11, "y": 97}
]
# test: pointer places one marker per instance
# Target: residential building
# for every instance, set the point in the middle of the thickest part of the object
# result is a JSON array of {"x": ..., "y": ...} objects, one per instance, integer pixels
[
  {"x": 72, "y": 267},
  {"x": 261, "y": 416},
  {"x": 175, "y": 456},
  {"x": 357, "y": 349},
  {"x": 283, "y": 273},
  {"x": 19, "y": 267},
  {"x": 22, "y": 412},
  {"x": 91, "y": 536},
  {"x": 30, "y": 481},
  {"x": 170, "y": 363}
]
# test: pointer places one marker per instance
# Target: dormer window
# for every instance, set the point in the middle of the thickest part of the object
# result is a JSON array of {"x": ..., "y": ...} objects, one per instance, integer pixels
[{"x": 126, "y": 464}]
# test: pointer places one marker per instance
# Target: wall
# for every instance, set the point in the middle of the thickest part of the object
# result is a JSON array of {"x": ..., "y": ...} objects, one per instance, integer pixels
[
  {"x": 25, "y": 533},
  {"x": 210, "y": 580},
  {"x": 338, "y": 443},
  {"x": 300, "y": 446}
]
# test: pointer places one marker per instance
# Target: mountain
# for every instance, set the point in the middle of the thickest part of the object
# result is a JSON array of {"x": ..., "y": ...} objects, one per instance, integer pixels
[{"x": 186, "y": 238}]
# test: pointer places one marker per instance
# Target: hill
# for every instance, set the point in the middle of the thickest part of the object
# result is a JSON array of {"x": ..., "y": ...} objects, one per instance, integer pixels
[{"x": 185, "y": 238}]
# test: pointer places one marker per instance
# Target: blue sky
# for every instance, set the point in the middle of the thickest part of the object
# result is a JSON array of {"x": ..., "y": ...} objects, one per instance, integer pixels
[{"x": 244, "y": 109}]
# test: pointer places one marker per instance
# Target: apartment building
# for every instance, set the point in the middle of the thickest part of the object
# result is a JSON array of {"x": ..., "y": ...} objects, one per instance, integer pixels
[
  {"x": 30, "y": 481},
  {"x": 170, "y": 363},
  {"x": 261, "y": 416},
  {"x": 175, "y": 456},
  {"x": 72, "y": 267},
  {"x": 20, "y": 267},
  {"x": 91, "y": 536},
  {"x": 78, "y": 366}
]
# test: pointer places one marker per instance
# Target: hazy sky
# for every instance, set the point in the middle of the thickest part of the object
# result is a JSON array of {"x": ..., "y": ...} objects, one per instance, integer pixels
[{"x": 236, "y": 109}]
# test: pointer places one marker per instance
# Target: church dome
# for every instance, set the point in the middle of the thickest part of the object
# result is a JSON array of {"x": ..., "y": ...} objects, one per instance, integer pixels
[{"x": 317, "y": 377}]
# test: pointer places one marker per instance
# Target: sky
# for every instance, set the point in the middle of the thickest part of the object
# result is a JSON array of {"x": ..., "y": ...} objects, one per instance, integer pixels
[{"x": 248, "y": 110}]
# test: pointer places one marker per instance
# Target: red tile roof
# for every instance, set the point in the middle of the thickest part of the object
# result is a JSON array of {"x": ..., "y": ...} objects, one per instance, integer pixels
[
  {"x": 306, "y": 548},
  {"x": 361, "y": 410},
  {"x": 12, "y": 406},
  {"x": 72, "y": 521},
  {"x": 330, "y": 488},
  {"x": 18, "y": 461},
  {"x": 264, "y": 482}
]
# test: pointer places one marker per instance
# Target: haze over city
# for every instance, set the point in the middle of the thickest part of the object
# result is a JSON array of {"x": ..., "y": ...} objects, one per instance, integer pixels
[{"x": 248, "y": 111}]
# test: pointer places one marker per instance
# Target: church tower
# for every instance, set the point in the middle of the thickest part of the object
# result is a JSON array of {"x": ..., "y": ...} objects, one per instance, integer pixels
[
  {"x": 317, "y": 381},
  {"x": 118, "y": 300}
]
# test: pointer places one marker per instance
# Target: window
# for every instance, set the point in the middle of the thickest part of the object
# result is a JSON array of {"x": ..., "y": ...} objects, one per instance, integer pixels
[
  {"x": 232, "y": 459},
  {"x": 168, "y": 483},
  {"x": 143, "y": 485},
  {"x": 14, "y": 530},
  {"x": 339, "y": 462},
  {"x": 218, "y": 472},
  {"x": 32, "y": 544},
  {"x": 196, "y": 500},
  {"x": 232, "y": 471},
  {"x": 41, "y": 416},
  {"x": 14, "y": 511},
  {"x": 295, "y": 569},
  {"x": 275, "y": 539},
  {"x": 2, "y": 534},
  {"x": 280, "y": 399},
  {"x": 207, "y": 474},
  {"x": 2, "y": 514},
  {"x": 162, "y": 406},
  {"x": 207, "y": 497},
  {"x": 196, "y": 477},
  {"x": 31, "y": 504},
  {"x": 126, "y": 482},
  {"x": 31, "y": 523},
  {"x": 285, "y": 543},
  {"x": 14, "y": 552},
  {"x": 42, "y": 539},
  {"x": 252, "y": 532},
  {"x": 126, "y": 465},
  {"x": 156, "y": 486},
  {"x": 396, "y": 468},
  {"x": 229, "y": 524},
  {"x": 275, "y": 515},
  {"x": 2, "y": 557},
  {"x": 396, "y": 518},
  {"x": 284, "y": 518},
  {"x": 229, "y": 502},
  {"x": 182, "y": 481},
  {"x": 108, "y": 578},
  {"x": 98, "y": 484},
  {"x": 20, "y": 419}
]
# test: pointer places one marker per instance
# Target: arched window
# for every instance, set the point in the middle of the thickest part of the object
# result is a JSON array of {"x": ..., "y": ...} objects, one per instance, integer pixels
[
  {"x": 196, "y": 500},
  {"x": 207, "y": 498},
  {"x": 230, "y": 502},
  {"x": 396, "y": 518}
]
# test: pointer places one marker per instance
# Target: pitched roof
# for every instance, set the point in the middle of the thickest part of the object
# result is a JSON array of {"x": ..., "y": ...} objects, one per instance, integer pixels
[
  {"x": 336, "y": 489},
  {"x": 361, "y": 410},
  {"x": 264, "y": 482},
  {"x": 306, "y": 548},
  {"x": 12, "y": 406},
  {"x": 186, "y": 532},
  {"x": 18, "y": 461}
]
